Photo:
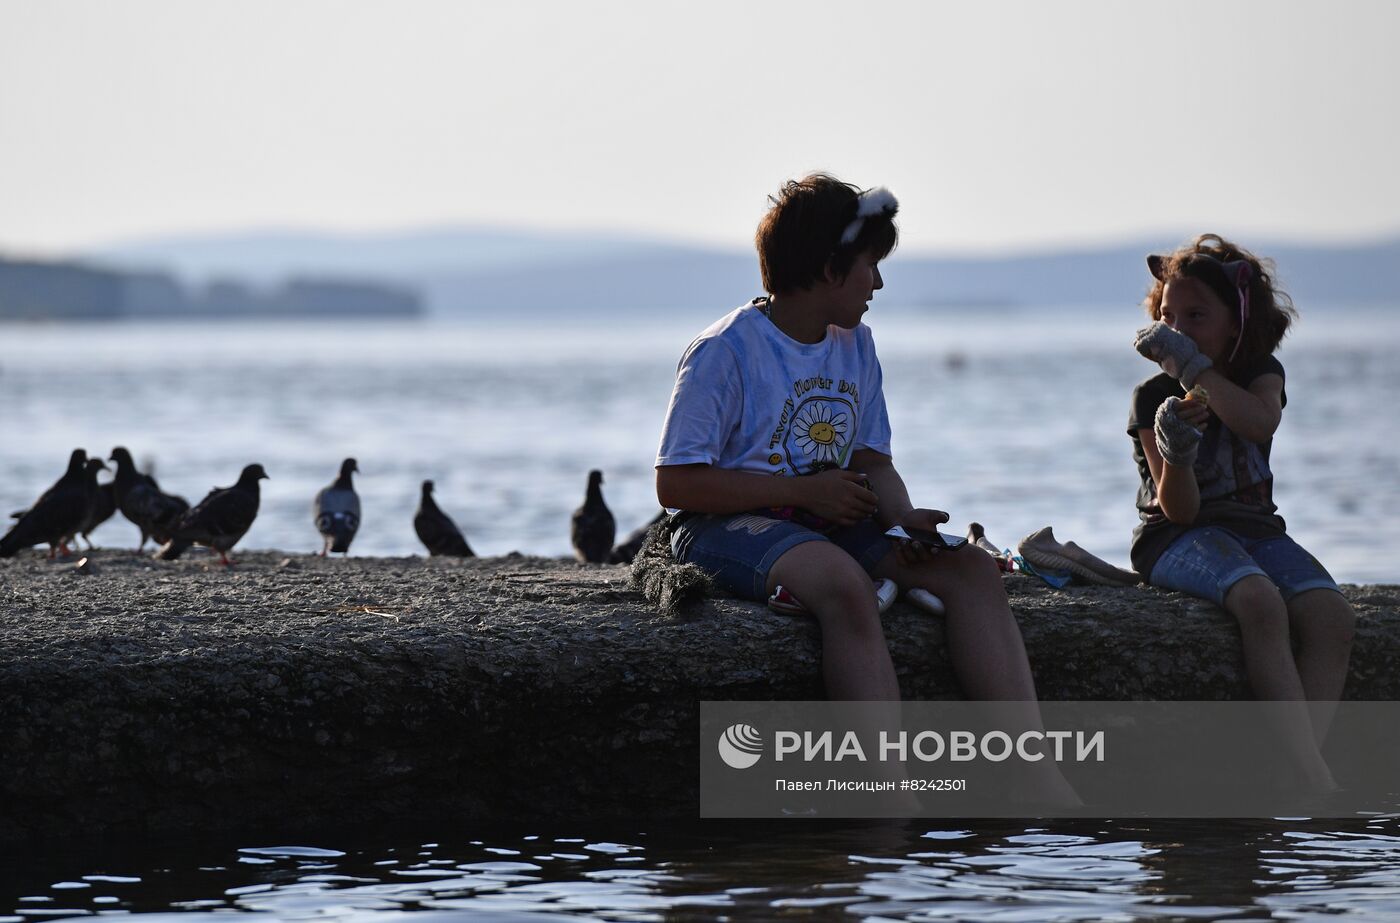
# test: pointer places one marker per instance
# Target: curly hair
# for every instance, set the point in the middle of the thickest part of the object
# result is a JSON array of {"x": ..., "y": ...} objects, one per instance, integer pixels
[
  {"x": 1271, "y": 310},
  {"x": 799, "y": 238}
]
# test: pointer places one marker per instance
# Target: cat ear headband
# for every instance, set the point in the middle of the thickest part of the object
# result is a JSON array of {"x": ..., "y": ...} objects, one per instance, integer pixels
[
  {"x": 1237, "y": 274},
  {"x": 869, "y": 203}
]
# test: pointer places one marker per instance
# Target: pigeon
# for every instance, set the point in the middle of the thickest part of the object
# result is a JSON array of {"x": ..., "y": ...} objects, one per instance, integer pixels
[
  {"x": 625, "y": 552},
  {"x": 90, "y": 469},
  {"x": 219, "y": 520},
  {"x": 142, "y": 501},
  {"x": 337, "y": 511},
  {"x": 435, "y": 530},
  {"x": 593, "y": 526},
  {"x": 57, "y": 514},
  {"x": 103, "y": 505}
]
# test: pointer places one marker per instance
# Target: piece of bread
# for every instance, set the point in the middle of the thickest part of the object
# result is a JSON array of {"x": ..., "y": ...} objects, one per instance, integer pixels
[{"x": 1197, "y": 393}]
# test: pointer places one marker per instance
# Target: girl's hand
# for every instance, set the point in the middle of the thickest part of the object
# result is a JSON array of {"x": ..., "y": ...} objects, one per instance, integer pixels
[
  {"x": 1174, "y": 351},
  {"x": 1177, "y": 440},
  {"x": 1193, "y": 412},
  {"x": 911, "y": 554},
  {"x": 838, "y": 495}
]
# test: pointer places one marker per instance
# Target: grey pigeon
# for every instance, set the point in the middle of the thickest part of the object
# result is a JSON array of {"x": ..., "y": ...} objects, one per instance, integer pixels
[
  {"x": 57, "y": 514},
  {"x": 628, "y": 548},
  {"x": 435, "y": 530},
  {"x": 220, "y": 519},
  {"x": 593, "y": 528},
  {"x": 142, "y": 501},
  {"x": 337, "y": 510}
]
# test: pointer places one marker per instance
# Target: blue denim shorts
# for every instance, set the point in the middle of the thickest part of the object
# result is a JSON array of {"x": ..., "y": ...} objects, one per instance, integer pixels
[
  {"x": 1208, "y": 561},
  {"x": 740, "y": 549}
]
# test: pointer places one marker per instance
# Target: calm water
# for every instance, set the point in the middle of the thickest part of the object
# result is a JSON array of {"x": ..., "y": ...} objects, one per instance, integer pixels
[
  {"x": 795, "y": 871},
  {"x": 1015, "y": 420}
]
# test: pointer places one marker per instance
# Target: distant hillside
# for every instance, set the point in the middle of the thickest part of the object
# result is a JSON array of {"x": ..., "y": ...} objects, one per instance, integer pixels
[
  {"x": 263, "y": 256},
  {"x": 478, "y": 271},
  {"x": 1313, "y": 275},
  {"x": 33, "y": 290}
]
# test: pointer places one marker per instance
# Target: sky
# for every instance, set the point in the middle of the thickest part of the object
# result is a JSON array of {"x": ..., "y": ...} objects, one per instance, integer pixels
[{"x": 1001, "y": 125}]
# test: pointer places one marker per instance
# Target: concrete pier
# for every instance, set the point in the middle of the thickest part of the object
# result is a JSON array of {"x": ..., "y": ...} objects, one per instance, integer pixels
[{"x": 150, "y": 698}]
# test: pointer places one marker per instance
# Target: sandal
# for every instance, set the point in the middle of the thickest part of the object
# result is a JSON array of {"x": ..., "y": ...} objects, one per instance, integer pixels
[
  {"x": 923, "y": 599},
  {"x": 783, "y": 601}
]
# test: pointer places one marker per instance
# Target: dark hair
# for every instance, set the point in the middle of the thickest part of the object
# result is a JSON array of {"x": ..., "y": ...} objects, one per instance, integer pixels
[
  {"x": 799, "y": 238},
  {"x": 1271, "y": 311}
]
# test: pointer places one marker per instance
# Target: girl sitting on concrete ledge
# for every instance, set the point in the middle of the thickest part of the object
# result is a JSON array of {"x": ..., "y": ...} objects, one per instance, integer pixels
[{"x": 1201, "y": 432}]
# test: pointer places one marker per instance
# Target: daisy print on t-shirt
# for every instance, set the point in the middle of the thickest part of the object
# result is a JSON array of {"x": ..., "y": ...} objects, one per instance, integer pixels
[{"x": 821, "y": 433}]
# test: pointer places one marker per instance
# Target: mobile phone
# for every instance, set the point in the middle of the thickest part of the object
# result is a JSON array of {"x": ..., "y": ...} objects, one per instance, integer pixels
[{"x": 926, "y": 537}]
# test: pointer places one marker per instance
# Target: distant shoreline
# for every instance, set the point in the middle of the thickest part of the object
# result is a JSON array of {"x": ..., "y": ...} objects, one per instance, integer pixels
[
  {"x": 470, "y": 273},
  {"x": 34, "y": 290},
  {"x": 422, "y": 318}
]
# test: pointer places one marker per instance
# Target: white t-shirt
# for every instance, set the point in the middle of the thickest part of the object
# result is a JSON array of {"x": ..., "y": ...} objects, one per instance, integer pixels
[{"x": 750, "y": 398}]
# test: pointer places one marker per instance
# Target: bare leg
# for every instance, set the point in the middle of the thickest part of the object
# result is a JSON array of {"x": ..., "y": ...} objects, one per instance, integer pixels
[
  {"x": 1263, "y": 618},
  {"x": 984, "y": 640},
  {"x": 1325, "y": 624},
  {"x": 856, "y": 664},
  {"x": 855, "y": 656},
  {"x": 985, "y": 645}
]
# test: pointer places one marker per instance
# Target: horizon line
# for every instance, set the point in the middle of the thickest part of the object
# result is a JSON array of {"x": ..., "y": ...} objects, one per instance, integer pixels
[{"x": 1012, "y": 250}]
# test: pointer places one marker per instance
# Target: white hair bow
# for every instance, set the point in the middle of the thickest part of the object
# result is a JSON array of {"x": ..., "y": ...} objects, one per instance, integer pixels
[{"x": 870, "y": 202}]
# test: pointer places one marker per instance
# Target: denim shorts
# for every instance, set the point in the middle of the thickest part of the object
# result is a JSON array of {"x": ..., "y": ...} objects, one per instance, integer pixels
[
  {"x": 1208, "y": 561},
  {"x": 740, "y": 549}
]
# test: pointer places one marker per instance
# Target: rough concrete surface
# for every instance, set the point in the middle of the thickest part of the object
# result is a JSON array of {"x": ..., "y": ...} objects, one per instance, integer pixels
[{"x": 158, "y": 698}]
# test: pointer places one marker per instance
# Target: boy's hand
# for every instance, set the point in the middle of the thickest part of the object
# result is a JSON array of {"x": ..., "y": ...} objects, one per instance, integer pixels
[
  {"x": 837, "y": 494},
  {"x": 914, "y": 553},
  {"x": 1175, "y": 352},
  {"x": 1177, "y": 439}
]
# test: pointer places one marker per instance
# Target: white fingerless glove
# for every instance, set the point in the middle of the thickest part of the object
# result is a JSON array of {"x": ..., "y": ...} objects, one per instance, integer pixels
[
  {"x": 1177, "y": 440},
  {"x": 1175, "y": 352}
]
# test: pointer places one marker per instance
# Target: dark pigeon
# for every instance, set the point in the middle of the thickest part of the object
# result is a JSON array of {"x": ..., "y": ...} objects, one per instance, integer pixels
[
  {"x": 103, "y": 504},
  {"x": 435, "y": 530},
  {"x": 337, "y": 510},
  {"x": 593, "y": 526},
  {"x": 57, "y": 514},
  {"x": 220, "y": 519},
  {"x": 90, "y": 469},
  {"x": 172, "y": 507},
  {"x": 142, "y": 501},
  {"x": 627, "y": 550},
  {"x": 102, "y": 508}
]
